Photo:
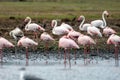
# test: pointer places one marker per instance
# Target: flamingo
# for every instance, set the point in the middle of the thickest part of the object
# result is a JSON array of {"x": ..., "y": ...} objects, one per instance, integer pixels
[
  {"x": 46, "y": 38},
  {"x": 115, "y": 40},
  {"x": 67, "y": 43},
  {"x": 67, "y": 26},
  {"x": 100, "y": 23},
  {"x": 108, "y": 31},
  {"x": 16, "y": 33},
  {"x": 32, "y": 26},
  {"x": 26, "y": 42},
  {"x": 4, "y": 43},
  {"x": 85, "y": 41},
  {"x": 83, "y": 27},
  {"x": 91, "y": 30},
  {"x": 58, "y": 30},
  {"x": 73, "y": 34}
]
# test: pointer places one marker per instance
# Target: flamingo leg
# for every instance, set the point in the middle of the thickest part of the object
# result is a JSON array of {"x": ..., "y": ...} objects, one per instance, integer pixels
[
  {"x": 116, "y": 56},
  {"x": 35, "y": 36},
  {"x": 15, "y": 48},
  {"x": 27, "y": 59},
  {"x": 69, "y": 59},
  {"x": 85, "y": 55},
  {"x": 1, "y": 56},
  {"x": 97, "y": 50},
  {"x": 65, "y": 58},
  {"x": 59, "y": 55},
  {"x": 88, "y": 53},
  {"x": 47, "y": 54},
  {"x": 75, "y": 56}
]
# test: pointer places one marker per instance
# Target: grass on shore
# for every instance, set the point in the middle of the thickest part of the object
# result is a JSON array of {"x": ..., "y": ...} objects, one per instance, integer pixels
[{"x": 50, "y": 10}]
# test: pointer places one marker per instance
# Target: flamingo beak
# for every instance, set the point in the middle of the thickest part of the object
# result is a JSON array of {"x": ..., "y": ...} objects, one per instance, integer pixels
[
  {"x": 41, "y": 28},
  {"x": 107, "y": 14},
  {"x": 19, "y": 44},
  {"x": 79, "y": 19},
  {"x": 52, "y": 24},
  {"x": 12, "y": 46}
]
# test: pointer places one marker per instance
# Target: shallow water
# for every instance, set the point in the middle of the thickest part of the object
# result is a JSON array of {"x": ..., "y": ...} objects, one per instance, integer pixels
[{"x": 55, "y": 70}]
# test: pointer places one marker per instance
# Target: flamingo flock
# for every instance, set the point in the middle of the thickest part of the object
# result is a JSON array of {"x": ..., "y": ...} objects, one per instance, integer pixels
[{"x": 68, "y": 37}]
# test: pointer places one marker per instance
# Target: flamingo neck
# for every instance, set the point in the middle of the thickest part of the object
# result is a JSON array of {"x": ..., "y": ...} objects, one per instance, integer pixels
[
  {"x": 55, "y": 23},
  {"x": 27, "y": 24},
  {"x": 104, "y": 21},
  {"x": 80, "y": 26}
]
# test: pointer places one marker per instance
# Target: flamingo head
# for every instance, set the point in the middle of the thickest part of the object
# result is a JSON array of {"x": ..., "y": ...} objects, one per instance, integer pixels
[
  {"x": 53, "y": 23},
  {"x": 19, "y": 44},
  {"x": 80, "y": 18},
  {"x": 41, "y": 28},
  {"x": 106, "y": 13},
  {"x": 27, "y": 19}
]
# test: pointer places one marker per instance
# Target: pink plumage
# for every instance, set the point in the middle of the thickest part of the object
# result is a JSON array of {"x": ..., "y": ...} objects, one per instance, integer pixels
[
  {"x": 93, "y": 31},
  {"x": 32, "y": 26},
  {"x": 108, "y": 31},
  {"x": 46, "y": 37},
  {"x": 73, "y": 34},
  {"x": 5, "y": 43},
  {"x": 66, "y": 43},
  {"x": 85, "y": 40},
  {"x": 26, "y": 42},
  {"x": 114, "y": 39}
]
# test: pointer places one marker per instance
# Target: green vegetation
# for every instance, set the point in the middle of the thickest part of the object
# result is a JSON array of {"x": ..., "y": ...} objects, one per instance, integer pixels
[{"x": 62, "y": 9}]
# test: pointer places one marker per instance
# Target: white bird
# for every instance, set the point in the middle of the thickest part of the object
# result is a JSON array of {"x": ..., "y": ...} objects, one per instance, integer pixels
[
  {"x": 83, "y": 26},
  {"x": 16, "y": 33},
  {"x": 67, "y": 26},
  {"x": 25, "y": 76},
  {"x": 100, "y": 23},
  {"x": 32, "y": 26},
  {"x": 58, "y": 30},
  {"x": 91, "y": 30}
]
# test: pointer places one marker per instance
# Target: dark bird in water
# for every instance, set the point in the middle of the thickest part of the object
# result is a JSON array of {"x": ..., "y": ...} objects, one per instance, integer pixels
[{"x": 24, "y": 76}]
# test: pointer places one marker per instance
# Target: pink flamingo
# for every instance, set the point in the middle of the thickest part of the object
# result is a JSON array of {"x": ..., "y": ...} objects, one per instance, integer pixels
[
  {"x": 73, "y": 34},
  {"x": 26, "y": 42},
  {"x": 115, "y": 40},
  {"x": 108, "y": 31},
  {"x": 85, "y": 41},
  {"x": 67, "y": 43},
  {"x": 58, "y": 30},
  {"x": 32, "y": 26},
  {"x": 46, "y": 38},
  {"x": 4, "y": 43},
  {"x": 100, "y": 23}
]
